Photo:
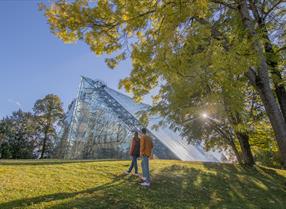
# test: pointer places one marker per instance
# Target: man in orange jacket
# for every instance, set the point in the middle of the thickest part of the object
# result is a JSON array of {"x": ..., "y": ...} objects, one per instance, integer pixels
[{"x": 146, "y": 146}]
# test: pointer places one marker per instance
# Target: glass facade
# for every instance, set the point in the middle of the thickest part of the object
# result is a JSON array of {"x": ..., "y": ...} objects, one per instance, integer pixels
[
  {"x": 92, "y": 130},
  {"x": 100, "y": 122}
]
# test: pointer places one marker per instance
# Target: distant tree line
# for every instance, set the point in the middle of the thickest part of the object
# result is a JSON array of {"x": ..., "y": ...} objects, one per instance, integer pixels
[{"x": 25, "y": 135}]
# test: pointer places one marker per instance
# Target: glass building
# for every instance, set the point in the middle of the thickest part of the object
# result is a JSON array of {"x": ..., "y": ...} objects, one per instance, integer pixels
[{"x": 100, "y": 123}]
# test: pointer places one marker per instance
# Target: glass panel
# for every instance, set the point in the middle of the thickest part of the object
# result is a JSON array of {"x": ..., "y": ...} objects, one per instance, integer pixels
[{"x": 95, "y": 131}]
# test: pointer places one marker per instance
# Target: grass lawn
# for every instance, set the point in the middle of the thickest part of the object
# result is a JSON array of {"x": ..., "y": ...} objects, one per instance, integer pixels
[{"x": 99, "y": 184}]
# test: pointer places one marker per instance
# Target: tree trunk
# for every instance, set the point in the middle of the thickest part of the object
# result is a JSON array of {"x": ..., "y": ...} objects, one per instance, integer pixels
[
  {"x": 47, "y": 128},
  {"x": 247, "y": 156},
  {"x": 276, "y": 118},
  {"x": 281, "y": 96},
  {"x": 271, "y": 59},
  {"x": 276, "y": 76},
  {"x": 44, "y": 145},
  {"x": 261, "y": 82},
  {"x": 243, "y": 138}
]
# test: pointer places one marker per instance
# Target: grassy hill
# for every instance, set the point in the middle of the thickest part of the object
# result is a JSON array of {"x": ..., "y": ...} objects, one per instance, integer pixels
[{"x": 100, "y": 184}]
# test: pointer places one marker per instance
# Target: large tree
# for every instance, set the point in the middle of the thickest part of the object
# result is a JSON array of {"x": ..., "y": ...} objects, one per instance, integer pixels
[
  {"x": 49, "y": 112},
  {"x": 225, "y": 126},
  {"x": 236, "y": 41},
  {"x": 18, "y": 135}
]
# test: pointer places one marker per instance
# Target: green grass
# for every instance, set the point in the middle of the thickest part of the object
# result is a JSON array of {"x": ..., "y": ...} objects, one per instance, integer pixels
[{"x": 99, "y": 184}]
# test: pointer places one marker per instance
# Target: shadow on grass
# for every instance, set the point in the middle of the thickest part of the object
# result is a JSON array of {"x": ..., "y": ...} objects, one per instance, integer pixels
[
  {"x": 49, "y": 162},
  {"x": 178, "y": 186},
  {"x": 22, "y": 203},
  {"x": 264, "y": 174}
]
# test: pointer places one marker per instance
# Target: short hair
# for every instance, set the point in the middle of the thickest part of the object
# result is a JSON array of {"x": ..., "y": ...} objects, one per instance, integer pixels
[{"x": 144, "y": 130}]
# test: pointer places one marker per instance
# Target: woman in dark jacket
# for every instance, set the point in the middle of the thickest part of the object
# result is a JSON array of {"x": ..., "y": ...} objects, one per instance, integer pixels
[{"x": 134, "y": 153}]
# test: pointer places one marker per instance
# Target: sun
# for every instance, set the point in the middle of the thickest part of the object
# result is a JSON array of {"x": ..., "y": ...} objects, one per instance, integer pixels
[{"x": 204, "y": 115}]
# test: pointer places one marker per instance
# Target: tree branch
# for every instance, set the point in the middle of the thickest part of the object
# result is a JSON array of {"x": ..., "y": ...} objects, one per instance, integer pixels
[
  {"x": 229, "y": 5},
  {"x": 255, "y": 11},
  {"x": 280, "y": 49},
  {"x": 272, "y": 8}
]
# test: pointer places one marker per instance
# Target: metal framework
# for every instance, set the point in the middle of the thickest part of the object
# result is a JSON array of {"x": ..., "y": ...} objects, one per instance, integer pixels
[
  {"x": 99, "y": 122},
  {"x": 129, "y": 120}
]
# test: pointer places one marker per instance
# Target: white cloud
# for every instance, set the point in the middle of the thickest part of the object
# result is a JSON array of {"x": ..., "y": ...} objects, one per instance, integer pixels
[{"x": 15, "y": 102}]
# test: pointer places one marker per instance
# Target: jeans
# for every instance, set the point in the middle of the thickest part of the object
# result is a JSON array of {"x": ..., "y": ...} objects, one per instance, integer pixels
[
  {"x": 133, "y": 164},
  {"x": 145, "y": 168}
]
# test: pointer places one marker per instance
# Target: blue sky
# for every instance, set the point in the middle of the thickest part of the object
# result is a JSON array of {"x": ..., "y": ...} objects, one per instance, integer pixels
[{"x": 34, "y": 63}]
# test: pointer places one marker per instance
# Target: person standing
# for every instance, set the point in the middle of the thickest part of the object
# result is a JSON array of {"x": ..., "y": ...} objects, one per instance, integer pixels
[
  {"x": 146, "y": 147},
  {"x": 134, "y": 153}
]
